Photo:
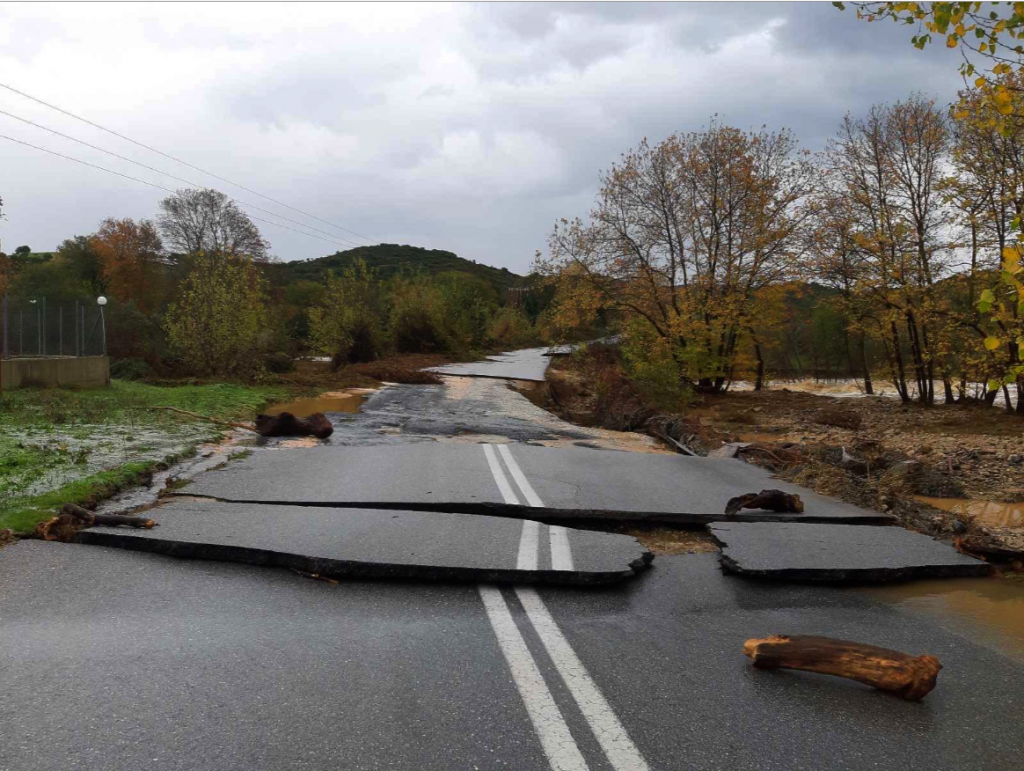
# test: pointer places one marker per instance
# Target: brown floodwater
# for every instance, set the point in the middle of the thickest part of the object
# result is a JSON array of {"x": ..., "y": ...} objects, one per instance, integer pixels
[
  {"x": 990, "y": 608},
  {"x": 988, "y": 513},
  {"x": 333, "y": 401}
]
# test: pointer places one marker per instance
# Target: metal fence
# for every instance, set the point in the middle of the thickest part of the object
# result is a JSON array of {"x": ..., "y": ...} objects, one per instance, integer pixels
[{"x": 38, "y": 327}]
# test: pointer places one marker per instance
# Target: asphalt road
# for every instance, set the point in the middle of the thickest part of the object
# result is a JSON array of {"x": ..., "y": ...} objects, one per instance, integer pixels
[
  {"x": 113, "y": 659},
  {"x": 118, "y": 660}
]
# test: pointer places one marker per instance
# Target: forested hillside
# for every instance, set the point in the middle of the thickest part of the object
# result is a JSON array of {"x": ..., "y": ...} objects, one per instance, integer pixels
[{"x": 388, "y": 260}]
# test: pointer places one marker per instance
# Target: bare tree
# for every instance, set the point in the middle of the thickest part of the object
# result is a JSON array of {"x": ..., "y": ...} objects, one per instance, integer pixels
[{"x": 194, "y": 221}]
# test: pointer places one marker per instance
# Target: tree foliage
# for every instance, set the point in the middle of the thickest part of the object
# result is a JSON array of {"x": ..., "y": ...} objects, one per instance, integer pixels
[
  {"x": 683, "y": 235},
  {"x": 217, "y": 325},
  {"x": 130, "y": 264}
]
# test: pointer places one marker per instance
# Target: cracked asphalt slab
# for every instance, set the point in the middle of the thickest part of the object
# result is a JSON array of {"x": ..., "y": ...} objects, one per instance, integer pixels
[
  {"x": 571, "y": 478},
  {"x": 368, "y": 543},
  {"x": 178, "y": 665},
  {"x": 838, "y": 553}
]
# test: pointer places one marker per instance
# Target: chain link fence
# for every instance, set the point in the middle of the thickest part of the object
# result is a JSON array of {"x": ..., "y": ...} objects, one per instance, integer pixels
[{"x": 40, "y": 328}]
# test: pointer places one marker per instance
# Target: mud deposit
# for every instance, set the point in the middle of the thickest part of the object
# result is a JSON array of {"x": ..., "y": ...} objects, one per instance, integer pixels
[
  {"x": 988, "y": 513},
  {"x": 991, "y": 609},
  {"x": 333, "y": 401}
]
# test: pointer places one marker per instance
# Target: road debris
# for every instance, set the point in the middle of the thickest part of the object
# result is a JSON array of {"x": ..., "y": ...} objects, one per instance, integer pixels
[
  {"x": 769, "y": 500},
  {"x": 286, "y": 424},
  {"x": 909, "y": 677},
  {"x": 91, "y": 518}
]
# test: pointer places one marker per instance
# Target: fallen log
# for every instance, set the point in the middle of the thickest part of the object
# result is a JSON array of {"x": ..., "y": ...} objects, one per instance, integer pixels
[
  {"x": 286, "y": 424},
  {"x": 909, "y": 677},
  {"x": 91, "y": 518},
  {"x": 769, "y": 500},
  {"x": 197, "y": 416}
]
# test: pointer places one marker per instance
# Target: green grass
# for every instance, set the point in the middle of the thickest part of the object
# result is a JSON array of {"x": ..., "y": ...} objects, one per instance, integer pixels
[
  {"x": 95, "y": 415},
  {"x": 130, "y": 403},
  {"x": 22, "y": 514}
]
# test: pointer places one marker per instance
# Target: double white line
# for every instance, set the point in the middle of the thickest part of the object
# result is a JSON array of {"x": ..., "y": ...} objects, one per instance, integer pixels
[{"x": 562, "y": 752}]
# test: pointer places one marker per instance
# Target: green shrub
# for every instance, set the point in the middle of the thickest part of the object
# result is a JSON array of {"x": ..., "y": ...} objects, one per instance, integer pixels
[
  {"x": 130, "y": 369},
  {"x": 651, "y": 363},
  {"x": 279, "y": 362}
]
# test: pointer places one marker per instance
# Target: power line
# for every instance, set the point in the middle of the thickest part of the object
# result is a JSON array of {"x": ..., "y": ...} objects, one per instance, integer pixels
[
  {"x": 179, "y": 160},
  {"x": 179, "y": 179},
  {"x": 151, "y": 184}
]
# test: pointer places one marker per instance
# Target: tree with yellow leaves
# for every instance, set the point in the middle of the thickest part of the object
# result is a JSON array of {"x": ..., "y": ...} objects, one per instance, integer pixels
[
  {"x": 989, "y": 38},
  {"x": 683, "y": 237}
]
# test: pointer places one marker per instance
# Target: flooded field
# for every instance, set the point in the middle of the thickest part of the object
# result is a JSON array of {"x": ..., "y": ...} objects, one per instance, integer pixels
[
  {"x": 84, "y": 449},
  {"x": 334, "y": 401},
  {"x": 991, "y": 608},
  {"x": 854, "y": 388},
  {"x": 990, "y": 513}
]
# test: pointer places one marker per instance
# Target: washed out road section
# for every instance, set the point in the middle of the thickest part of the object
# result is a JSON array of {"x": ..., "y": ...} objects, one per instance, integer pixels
[
  {"x": 374, "y": 543},
  {"x": 686, "y": 490},
  {"x": 838, "y": 553},
  {"x": 528, "y": 364}
]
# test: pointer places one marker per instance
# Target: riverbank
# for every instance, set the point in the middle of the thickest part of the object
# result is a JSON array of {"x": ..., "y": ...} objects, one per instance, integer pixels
[{"x": 939, "y": 469}]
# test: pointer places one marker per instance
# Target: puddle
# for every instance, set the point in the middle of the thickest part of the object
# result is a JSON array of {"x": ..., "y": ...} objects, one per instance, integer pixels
[
  {"x": 988, "y": 513},
  {"x": 333, "y": 401},
  {"x": 992, "y": 607}
]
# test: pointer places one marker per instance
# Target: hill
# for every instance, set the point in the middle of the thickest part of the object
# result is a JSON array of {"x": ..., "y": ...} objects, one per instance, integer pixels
[{"x": 389, "y": 259}]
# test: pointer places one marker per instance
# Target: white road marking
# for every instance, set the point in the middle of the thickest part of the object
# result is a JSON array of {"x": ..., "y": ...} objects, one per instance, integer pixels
[
  {"x": 561, "y": 552},
  {"x": 517, "y": 474},
  {"x": 551, "y": 728},
  {"x": 529, "y": 545},
  {"x": 499, "y": 476},
  {"x": 610, "y": 734},
  {"x": 622, "y": 754}
]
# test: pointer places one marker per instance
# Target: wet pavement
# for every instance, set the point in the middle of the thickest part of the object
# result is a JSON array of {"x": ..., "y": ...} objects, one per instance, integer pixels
[
  {"x": 567, "y": 478},
  {"x": 121, "y": 659},
  {"x": 838, "y": 553},
  {"x": 368, "y": 543},
  {"x": 528, "y": 364}
]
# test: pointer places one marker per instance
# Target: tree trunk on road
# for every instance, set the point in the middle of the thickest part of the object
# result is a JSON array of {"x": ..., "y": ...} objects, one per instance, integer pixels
[{"x": 909, "y": 677}]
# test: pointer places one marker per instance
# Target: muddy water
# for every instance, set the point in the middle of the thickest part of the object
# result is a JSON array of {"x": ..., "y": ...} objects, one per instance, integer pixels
[
  {"x": 988, "y": 513},
  {"x": 990, "y": 608},
  {"x": 334, "y": 401}
]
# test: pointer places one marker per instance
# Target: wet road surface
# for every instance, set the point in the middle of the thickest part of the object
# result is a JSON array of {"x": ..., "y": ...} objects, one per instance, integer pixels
[{"x": 118, "y": 659}]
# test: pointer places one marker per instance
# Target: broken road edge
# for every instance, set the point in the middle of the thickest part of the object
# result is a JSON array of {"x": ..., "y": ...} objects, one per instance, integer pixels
[{"x": 356, "y": 569}]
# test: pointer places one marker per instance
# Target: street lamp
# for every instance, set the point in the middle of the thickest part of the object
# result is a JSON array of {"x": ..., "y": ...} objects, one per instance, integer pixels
[{"x": 101, "y": 301}]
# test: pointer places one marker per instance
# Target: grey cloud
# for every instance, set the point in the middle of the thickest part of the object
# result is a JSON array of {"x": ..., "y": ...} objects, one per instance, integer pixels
[{"x": 470, "y": 128}]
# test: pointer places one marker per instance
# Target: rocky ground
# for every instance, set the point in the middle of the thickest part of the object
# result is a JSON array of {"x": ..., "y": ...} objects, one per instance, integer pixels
[{"x": 872, "y": 451}]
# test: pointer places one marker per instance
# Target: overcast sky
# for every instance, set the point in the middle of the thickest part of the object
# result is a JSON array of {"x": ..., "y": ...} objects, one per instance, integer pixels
[{"x": 470, "y": 128}]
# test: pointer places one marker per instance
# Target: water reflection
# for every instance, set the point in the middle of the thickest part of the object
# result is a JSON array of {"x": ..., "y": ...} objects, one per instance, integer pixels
[{"x": 992, "y": 606}]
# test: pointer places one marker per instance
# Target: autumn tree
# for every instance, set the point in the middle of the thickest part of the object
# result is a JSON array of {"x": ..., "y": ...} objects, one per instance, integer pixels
[
  {"x": 217, "y": 325},
  {"x": 130, "y": 262},
  {"x": 685, "y": 234},
  {"x": 207, "y": 221},
  {"x": 885, "y": 169},
  {"x": 989, "y": 38}
]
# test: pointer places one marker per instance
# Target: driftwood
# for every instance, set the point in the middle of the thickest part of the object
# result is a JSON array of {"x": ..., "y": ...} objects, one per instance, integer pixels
[
  {"x": 909, "y": 677},
  {"x": 771, "y": 500},
  {"x": 197, "y": 416},
  {"x": 91, "y": 518},
  {"x": 287, "y": 424}
]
